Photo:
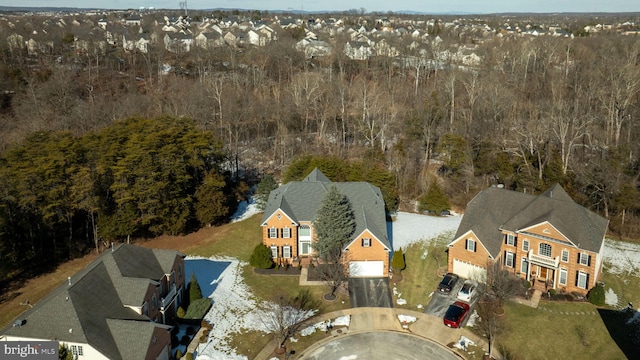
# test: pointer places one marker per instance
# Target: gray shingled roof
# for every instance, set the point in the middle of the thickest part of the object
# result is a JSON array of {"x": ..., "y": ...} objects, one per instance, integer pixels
[
  {"x": 91, "y": 310},
  {"x": 301, "y": 199},
  {"x": 582, "y": 227},
  {"x": 495, "y": 209}
]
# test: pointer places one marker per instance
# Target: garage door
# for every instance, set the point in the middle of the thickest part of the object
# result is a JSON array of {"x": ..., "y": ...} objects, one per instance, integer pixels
[
  {"x": 469, "y": 271},
  {"x": 366, "y": 269}
]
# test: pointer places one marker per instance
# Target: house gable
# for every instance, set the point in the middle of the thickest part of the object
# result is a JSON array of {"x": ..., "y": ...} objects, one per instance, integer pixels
[
  {"x": 546, "y": 230},
  {"x": 458, "y": 249}
]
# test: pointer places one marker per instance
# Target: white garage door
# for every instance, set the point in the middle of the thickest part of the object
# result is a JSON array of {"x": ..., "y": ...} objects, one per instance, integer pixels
[
  {"x": 469, "y": 271},
  {"x": 366, "y": 269}
]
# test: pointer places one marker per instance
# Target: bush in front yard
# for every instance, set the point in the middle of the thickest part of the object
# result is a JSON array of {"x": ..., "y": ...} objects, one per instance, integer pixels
[
  {"x": 261, "y": 257},
  {"x": 397, "y": 262},
  {"x": 596, "y": 295},
  {"x": 198, "y": 309}
]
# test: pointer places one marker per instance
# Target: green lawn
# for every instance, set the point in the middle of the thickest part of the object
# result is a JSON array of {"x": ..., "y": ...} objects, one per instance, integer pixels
[
  {"x": 420, "y": 277},
  {"x": 549, "y": 334}
]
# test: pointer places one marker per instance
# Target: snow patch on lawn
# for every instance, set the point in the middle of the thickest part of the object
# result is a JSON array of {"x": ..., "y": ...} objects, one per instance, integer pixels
[
  {"x": 610, "y": 297},
  {"x": 234, "y": 310},
  {"x": 621, "y": 257},
  {"x": 409, "y": 228}
]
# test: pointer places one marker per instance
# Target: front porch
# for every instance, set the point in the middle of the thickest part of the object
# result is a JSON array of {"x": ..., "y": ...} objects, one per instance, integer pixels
[{"x": 541, "y": 278}]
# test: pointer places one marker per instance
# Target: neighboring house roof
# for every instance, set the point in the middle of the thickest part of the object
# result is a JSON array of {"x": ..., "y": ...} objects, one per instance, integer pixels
[
  {"x": 300, "y": 200},
  {"x": 495, "y": 209},
  {"x": 92, "y": 309}
]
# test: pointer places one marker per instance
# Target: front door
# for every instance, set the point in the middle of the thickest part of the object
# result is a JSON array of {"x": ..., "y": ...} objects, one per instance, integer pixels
[
  {"x": 543, "y": 273},
  {"x": 305, "y": 248}
]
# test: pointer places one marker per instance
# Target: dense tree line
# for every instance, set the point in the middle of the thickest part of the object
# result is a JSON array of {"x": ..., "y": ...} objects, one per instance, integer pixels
[
  {"x": 63, "y": 195},
  {"x": 534, "y": 111}
]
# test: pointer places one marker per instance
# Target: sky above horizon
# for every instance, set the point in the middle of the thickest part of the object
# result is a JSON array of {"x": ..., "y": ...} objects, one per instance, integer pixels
[{"x": 425, "y": 6}]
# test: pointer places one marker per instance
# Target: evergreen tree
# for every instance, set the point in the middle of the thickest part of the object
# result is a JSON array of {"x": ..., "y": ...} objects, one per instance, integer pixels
[
  {"x": 213, "y": 205},
  {"x": 64, "y": 353},
  {"x": 434, "y": 200},
  {"x": 195, "y": 292},
  {"x": 264, "y": 188},
  {"x": 261, "y": 257},
  {"x": 397, "y": 262},
  {"x": 334, "y": 225}
]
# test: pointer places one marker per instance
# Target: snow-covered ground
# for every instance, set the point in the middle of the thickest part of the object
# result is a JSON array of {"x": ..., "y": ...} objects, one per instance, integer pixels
[{"x": 235, "y": 310}]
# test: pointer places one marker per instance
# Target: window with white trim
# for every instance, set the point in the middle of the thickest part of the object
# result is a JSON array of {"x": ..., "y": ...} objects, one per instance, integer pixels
[
  {"x": 525, "y": 245},
  {"x": 565, "y": 256},
  {"x": 509, "y": 259},
  {"x": 304, "y": 230},
  {"x": 366, "y": 242},
  {"x": 286, "y": 252},
  {"x": 524, "y": 265},
  {"x": 273, "y": 233},
  {"x": 286, "y": 233},
  {"x": 470, "y": 245},
  {"x": 511, "y": 240},
  {"x": 563, "y": 276},
  {"x": 583, "y": 259},
  {"x": 581, "y": 280},
  {"x": 76, "y": 350},
  {"x": 544, "y": 250},
  {"x": 274, "y": 251}
]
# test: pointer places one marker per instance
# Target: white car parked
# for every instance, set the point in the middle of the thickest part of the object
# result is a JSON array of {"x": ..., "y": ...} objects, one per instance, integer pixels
[{"x": 467, "y": 291}]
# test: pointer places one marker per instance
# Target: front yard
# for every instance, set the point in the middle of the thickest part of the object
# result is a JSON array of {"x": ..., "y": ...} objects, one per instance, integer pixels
[{"x": 534, "y": 333}]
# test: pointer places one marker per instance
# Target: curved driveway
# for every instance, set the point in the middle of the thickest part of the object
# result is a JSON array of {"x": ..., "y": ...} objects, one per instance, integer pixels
[{"x": 383, "y": 345}]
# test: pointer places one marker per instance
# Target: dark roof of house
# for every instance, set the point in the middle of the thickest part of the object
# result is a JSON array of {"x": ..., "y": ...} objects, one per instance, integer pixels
[
  {"x": 301, "y": 199},
  {"x": 495, "y": 209},
  {"x": 92, "y": 307}
]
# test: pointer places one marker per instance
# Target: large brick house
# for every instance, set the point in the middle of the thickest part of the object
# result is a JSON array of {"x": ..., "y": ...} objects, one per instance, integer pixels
[
  {"x": 547, "y": 239},
  {"x": 121, "y": 306},
  {"x": 287, "y": 224}
]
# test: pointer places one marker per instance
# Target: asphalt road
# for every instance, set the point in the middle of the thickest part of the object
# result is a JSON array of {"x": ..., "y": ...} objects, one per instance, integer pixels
[{"x": 382, "y": 346}]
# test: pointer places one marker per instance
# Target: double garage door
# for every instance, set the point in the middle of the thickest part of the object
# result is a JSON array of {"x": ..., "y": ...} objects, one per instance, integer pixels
[
  {"x": 366, "y": 269},
  {"x": 469, "y": 271}
]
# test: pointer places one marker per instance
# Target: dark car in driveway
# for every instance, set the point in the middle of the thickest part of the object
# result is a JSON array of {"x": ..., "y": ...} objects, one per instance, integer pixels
[
  {"x": 447, "y": 283},
  {"x": 456, "y": 314}
]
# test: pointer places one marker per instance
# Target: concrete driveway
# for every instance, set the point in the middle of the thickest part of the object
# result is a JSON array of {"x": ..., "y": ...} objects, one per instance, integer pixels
[{"x": 369, "y": 292}]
